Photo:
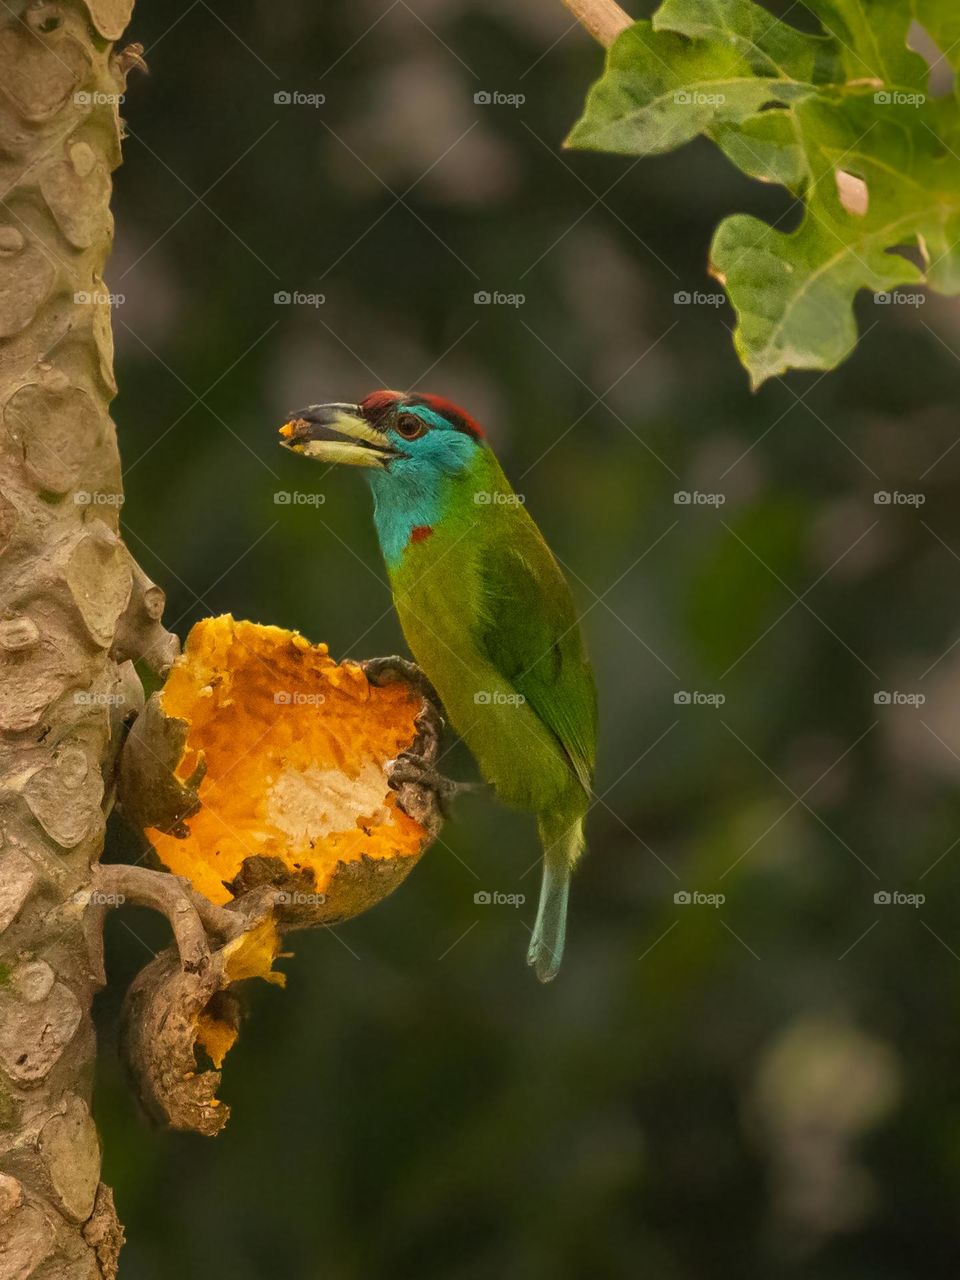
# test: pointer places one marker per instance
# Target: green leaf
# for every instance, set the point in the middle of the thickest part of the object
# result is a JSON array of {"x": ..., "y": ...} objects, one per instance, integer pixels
[
  {"x": 765, "y": 147},
  {"x": 660, "y": 90},
  {"x": 840, "y": 119},
  {"x": 871, "y": 38},
  {"x": 770, "y": 47}
]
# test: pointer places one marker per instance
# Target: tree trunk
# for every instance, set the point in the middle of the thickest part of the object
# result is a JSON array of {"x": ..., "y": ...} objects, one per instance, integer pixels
[
  {"x": 74, "y": 608},
  {"x": 76, "y": 611}
]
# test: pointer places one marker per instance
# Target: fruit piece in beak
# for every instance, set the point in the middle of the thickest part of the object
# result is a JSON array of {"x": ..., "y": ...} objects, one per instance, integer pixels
[{"x": 337, "y": 433}]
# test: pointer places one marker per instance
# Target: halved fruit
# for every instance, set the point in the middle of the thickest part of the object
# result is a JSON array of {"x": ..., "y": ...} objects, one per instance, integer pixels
[{"x": 262, "y": 760}]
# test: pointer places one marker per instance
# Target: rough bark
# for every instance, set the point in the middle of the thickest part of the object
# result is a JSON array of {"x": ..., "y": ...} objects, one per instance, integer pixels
[{"x": 74, "y": 609}]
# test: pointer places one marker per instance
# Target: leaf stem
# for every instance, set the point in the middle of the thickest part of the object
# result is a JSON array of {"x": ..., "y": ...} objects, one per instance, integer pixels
[{"x": 604, "y": 19}]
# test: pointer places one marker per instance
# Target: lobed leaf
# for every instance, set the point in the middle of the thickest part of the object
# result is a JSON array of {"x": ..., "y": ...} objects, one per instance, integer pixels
[{"x": 842, "y": 119}]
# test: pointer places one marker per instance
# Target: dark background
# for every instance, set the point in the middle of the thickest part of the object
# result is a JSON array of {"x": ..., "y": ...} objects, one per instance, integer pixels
[{"x": 767, "y": 1088}]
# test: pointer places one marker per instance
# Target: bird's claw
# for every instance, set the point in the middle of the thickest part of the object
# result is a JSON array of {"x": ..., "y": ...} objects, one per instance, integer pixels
[
  {"x": 410, "y": 768},
  {"x": 390, "y": 670}
]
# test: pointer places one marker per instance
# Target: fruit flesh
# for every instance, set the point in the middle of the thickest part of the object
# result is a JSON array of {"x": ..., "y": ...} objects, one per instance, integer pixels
[{"x": 296, "y": 749}]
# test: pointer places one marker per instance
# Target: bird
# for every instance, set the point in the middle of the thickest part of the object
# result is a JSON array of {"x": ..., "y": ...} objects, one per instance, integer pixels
[{"x": 486, "y": 611}]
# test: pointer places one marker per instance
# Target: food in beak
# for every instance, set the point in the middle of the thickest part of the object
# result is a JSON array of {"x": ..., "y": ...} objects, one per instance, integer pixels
[{"x": 336, "y": 433}]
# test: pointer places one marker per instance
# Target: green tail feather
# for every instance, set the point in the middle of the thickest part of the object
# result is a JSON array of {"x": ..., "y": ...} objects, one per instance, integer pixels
[{"x": 549, "y": 932}]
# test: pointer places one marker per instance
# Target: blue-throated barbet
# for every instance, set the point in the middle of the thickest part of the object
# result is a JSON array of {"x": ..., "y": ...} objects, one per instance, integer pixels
[{"x": 485, "y": 610}]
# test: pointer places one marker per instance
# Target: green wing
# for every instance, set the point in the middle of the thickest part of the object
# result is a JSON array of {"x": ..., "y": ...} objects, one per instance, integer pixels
[{"x": 530, "y": 632}]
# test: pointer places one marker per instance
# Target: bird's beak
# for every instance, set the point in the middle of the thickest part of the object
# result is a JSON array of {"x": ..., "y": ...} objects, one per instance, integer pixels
[{"x": 337, "y": 433}]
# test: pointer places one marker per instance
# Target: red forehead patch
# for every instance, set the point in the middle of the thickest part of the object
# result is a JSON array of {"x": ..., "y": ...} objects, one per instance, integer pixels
[
  {"x": 453, "y": 413},
  {"x": 378, "y": 403}
]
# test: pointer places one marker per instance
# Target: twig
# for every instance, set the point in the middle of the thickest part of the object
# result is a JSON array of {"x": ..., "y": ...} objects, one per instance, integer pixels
[
  {"x": 604, "y": 19},
  {"x": 229, "y": 922},
  {"x": 171, "y": 895}
]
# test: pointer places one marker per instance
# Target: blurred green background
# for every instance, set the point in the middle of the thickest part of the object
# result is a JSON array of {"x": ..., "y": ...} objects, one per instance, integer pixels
[{"x": 764, "y": 1088}]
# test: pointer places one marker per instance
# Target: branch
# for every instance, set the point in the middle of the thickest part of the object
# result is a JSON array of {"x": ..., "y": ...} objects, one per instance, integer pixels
[
  {"x": 192, "y": 916},
  {"x": 112, "y": 885},
  {"x": 604, "y": 19}
]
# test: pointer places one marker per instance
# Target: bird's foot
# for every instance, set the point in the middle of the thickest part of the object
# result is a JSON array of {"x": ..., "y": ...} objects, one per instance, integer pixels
[
  {"x": 410, "y": 768},
  {"x": 430, "y": 721},
  {"x": 390, "y": 670}
]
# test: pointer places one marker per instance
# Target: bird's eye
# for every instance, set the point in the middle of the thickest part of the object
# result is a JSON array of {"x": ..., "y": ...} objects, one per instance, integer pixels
[{"x": 410, "y": 426}]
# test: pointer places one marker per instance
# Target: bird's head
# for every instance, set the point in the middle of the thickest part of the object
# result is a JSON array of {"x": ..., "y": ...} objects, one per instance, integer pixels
[{"x": 410, "y": 438}]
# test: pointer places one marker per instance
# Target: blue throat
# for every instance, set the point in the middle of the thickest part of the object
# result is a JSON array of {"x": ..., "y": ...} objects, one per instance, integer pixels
[
  {"x": 402, "y": 505},
  {"x": 413, "y": 493}
]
